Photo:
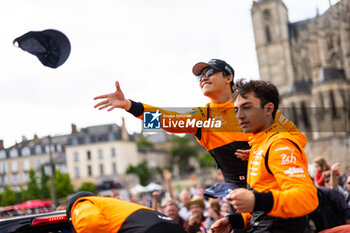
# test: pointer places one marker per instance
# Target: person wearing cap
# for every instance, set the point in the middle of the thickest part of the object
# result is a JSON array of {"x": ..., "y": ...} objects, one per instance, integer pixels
[
  {"x": 227, "y": 144},
  {"x": 280, "y": 191},
  {"x": 89, "y": 213},
  {"x": 195, "y": 222}
]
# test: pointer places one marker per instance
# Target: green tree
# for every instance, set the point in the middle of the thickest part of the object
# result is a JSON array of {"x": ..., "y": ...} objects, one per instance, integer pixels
[
  {"x": 142, "y": 171},
  {"x": 8, "y": 197},
  {"x": 206, "y": 160},
  {"x": 88, "y": 186},
  {"x": 33, "y": 190},
  {"x": 182, "y": 148},
  {"x": 45, "y": 191},
  {"x": 63, "y": 185},
  {"x": 143, "y": 142}
]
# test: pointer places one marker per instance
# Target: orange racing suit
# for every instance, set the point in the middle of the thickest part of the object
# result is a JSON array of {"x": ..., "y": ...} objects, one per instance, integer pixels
[
  {"x": 93, "y": 214},
  {"x": 283, "y": 189},
  {"x": 221, "y": 142}
]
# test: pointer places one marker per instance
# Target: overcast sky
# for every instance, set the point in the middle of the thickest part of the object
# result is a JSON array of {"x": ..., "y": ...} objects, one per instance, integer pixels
[{"x": 150, "y": 46}]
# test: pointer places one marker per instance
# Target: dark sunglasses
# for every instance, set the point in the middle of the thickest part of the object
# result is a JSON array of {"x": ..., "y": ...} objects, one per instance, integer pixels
[{"x": 207, "y": 73}]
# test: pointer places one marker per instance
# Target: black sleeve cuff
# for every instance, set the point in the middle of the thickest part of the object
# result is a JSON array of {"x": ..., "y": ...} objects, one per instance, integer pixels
[
  {"x": 263, "y": 201},
  {"x": 136, "y": 108},
  {"x": 236, "y": 221}
]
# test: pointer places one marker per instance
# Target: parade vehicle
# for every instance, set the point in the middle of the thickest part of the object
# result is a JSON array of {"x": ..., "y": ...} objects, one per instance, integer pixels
[{"x": 53, "y": 222}]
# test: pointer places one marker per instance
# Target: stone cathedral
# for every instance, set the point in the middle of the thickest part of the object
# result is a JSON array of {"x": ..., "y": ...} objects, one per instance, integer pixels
[{"x": 309, "y": 62}]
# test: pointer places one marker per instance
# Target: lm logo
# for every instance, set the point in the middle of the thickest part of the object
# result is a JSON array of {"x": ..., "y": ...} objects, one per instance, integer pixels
[{"x": 151, "y": 120}]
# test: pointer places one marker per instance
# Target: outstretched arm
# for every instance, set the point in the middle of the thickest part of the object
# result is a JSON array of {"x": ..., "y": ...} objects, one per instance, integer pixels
[
  {"x": 113, "y": 100},
  {"x": 167, "y": 176}
]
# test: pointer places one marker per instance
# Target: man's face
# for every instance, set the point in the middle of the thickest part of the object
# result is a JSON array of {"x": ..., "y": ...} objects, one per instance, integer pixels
[
  {"x": 213, "y": 85},
  {"x": 172, "y": 211},
  {"x": 185, "y": 197},
  {"x": 251, "y": 116},
  {"x": 196, "y": 209}
]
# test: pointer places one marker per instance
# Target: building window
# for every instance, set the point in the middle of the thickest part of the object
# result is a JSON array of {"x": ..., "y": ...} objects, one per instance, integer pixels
[
  {"x": 89, "y": 170},
  {"x": 304, "y": 115},
  {"x": 25, "y": 177},
  {"x": 49, "y": 149},
  {"x": 268, "y": 35},
  {"x": 25, "y": 151},
  {"x": 59, "y": 148},
  {"x": 322, "y": 102},
  {"x": 2, "y": 154},
  {"x": 101, "y": 169},
  {"x": 26, "y": 165},
  {"x": 267, "y": 21},
  {"x": 76, "y": 157},
  {"x": 76, "y": 171},
  {"x": 330, "y": 43},
  {"x": 15, "y": 179},
  {"x": 37, "y": 149},
  {"x": 2, "y": 178},
  {"x": 333, "y": 105},
  {"x": 14, "y": 166},
  {"x": 74, "y": 141},
  {"x": 113, "y": 152},
  {"x": 266, "y": 15},
  {"x": 13, "y": 153},
  {"x": 38, "y": 163},
  {"x": 4, "y": 168},
  {"x": 88, "y": 155},
  {"x": 100, "y": 154},
  {"x": 294, "y": 114},
  {"x": 87, "y": 140},
  {"x": 6, "y": 180},
  {"x": 114, "y": 168}
]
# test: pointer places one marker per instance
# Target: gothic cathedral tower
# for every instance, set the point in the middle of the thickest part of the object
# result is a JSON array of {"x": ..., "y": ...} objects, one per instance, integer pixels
[{"x": 270, "y": 23}]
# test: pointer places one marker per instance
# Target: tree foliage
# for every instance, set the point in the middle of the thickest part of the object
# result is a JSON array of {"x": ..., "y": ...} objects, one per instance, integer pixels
[
  {"x": 45, "y": 191},
  {"x": 141, "y": 170},
  {"x": 206, "y": 160},
  {"x": 88, "y": 186},
  {"x": 33, "y": 190},
  {"x": 182, "y": 148},
  {"x": 143, "y": 142},
  {"x": 8, "y": 197},
  {"x": 63, "y": 185}
]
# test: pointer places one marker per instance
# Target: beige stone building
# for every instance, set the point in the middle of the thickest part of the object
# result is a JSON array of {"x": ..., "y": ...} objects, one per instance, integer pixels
[
  {"x": 16, "y": 161},
  {"x": 99, "y": 154},
  {"x": 309, "y": 61}
]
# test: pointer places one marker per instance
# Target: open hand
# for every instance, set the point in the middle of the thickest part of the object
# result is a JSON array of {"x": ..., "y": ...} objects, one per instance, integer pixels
[{"x": 113, "y": 100}]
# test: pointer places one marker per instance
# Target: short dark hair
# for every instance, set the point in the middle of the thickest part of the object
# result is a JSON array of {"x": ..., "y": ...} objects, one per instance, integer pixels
[{"x": 265, "y": 91}]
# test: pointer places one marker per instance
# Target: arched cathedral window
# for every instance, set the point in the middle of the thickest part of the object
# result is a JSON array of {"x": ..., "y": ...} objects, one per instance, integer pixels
[
  {"x": 304, "y": 115},
  {"x": 333, "y": 105},
  {"x": 267, "y": 21},
  {"x": 294, "y": 114}
]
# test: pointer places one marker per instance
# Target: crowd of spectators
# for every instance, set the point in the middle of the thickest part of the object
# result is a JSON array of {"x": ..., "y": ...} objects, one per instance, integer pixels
[{"x": 196, "y": 212}]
